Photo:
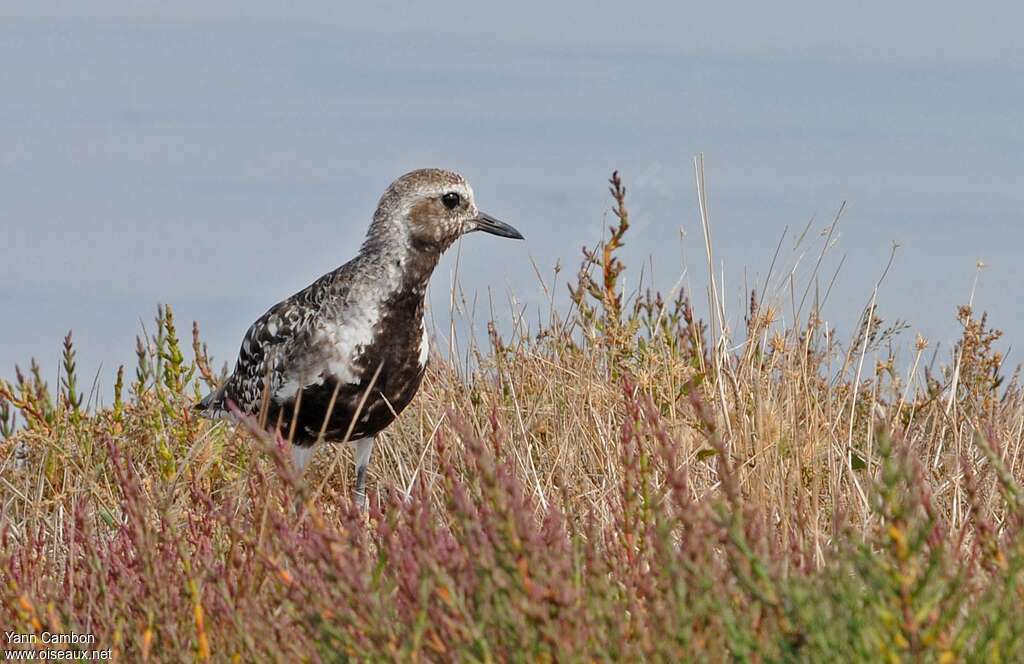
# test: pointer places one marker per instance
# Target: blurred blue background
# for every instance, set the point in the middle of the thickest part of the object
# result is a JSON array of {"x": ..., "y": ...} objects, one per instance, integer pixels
[{"x": 220, "y": 156}]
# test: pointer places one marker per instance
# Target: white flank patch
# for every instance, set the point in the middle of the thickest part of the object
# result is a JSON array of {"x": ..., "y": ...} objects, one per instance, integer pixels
[
  {"x": 424, "y": 345},
  {"x": 347, "y": 339},
  {"x": 335, "y": 346},
  {"x": 288, "y": 389}
]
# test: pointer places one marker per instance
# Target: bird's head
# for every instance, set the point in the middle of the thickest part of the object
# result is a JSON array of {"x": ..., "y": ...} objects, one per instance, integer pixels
[{"x": 432, "y": 208}]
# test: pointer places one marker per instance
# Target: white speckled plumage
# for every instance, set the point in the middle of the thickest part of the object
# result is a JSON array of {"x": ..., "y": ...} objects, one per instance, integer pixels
[{"x": 424, "y": 345}]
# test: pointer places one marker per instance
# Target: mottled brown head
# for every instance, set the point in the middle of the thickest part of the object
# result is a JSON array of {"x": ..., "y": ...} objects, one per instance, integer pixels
[{"x": 430, "y": 208}]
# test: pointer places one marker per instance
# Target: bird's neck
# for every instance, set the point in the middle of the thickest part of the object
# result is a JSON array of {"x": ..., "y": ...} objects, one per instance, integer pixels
[
  {"x": 402, "y": 268},
  {"x": 420, "y": 261},
  {"x": 408, "y": 258}
]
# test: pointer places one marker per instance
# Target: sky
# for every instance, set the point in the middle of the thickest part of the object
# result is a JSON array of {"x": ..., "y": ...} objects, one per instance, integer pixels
[{"x": 221, "y": 156}]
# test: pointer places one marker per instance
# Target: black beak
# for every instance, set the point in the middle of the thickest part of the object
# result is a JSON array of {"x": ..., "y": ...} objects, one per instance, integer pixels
[{"x": 488, "y": 224}]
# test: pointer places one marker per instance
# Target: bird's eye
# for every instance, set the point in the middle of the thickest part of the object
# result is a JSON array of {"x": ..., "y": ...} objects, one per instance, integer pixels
[{"x": 451, "y": 200}]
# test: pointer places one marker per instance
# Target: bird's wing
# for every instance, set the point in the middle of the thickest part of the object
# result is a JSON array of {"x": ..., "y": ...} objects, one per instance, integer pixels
[{"x": 279, "y": 350}]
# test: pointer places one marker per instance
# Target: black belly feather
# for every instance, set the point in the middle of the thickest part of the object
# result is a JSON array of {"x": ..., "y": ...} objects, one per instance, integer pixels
[{"x": 384, "y": 399}]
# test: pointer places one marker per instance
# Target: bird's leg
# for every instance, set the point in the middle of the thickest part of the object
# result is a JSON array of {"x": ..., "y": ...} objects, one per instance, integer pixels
[
  {"x": 280, "y": 441},
  {"x": 282, "y": 445},
  {"x": 364, "y": 448},
  {"x": 301, "y": 456}
]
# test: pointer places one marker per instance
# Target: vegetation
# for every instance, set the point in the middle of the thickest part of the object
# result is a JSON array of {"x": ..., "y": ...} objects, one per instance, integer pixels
[{"x": 622, "y": 482}]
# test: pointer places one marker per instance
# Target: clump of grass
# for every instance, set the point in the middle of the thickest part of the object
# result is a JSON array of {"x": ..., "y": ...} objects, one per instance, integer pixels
[{"x": 623, "y": 482}]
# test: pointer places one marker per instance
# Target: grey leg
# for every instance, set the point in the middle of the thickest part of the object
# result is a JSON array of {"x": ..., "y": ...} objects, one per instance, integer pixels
[
  {"x": 363, "y": 450},
  {"x": 300, "y": 459},
  {"x": 301, "y": 456}
]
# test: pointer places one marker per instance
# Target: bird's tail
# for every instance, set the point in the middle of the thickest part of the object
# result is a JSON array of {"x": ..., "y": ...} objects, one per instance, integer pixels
[{"x": 212, "y": 405}]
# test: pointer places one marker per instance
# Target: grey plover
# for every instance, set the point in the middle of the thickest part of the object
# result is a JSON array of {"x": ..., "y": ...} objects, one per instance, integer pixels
[{"x": 340, "y": 359}]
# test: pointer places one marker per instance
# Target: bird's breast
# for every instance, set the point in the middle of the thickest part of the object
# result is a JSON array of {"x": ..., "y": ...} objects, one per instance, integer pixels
[{"x": 389, "y": 337}]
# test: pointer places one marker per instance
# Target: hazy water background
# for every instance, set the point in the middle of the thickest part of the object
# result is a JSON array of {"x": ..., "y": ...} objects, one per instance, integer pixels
[{"x": 220, "y": 158}]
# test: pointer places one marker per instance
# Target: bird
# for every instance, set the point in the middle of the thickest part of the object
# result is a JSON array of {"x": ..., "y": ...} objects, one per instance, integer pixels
[{"x": 339, "y": 360}]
